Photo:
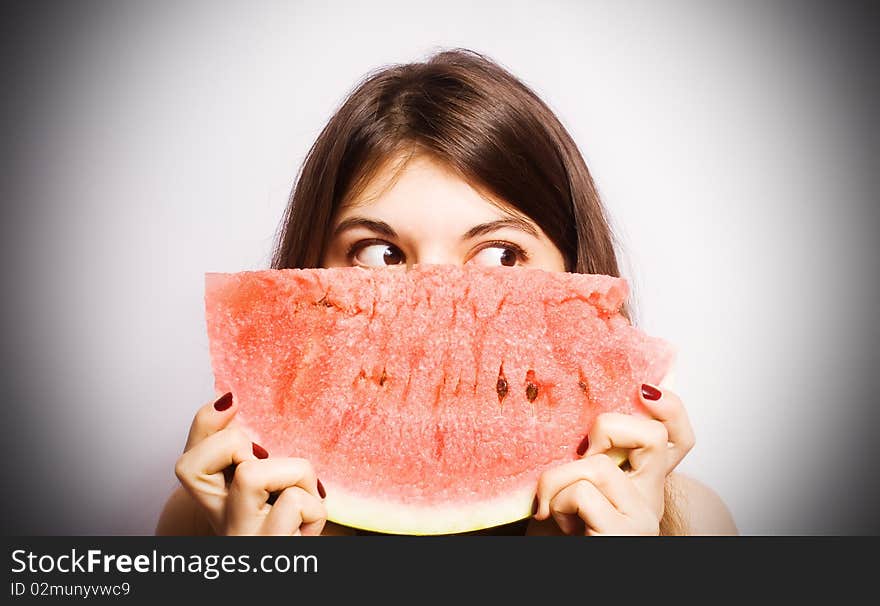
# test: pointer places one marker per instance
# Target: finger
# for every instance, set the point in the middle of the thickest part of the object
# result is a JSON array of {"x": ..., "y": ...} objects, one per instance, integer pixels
[
  {"x": 199, "y": 469},
  {"x": 582, "y": 508},
  {"x": 598, "y": 469},
  {"x": 295, "y": 512},
  {"x": 255, "y": 479},
  {"x": 665, "y": 406},
  {"x": 668, "y": 381},
  {"x": 227, "y": 447},
  {"x": 211, "y": 418},
  {"x": 646, "y": 442}
]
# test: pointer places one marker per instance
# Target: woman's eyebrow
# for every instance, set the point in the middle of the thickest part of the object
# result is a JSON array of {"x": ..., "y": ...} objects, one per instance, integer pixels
[
  {"x": 380, "y": 227},
  {"x": 485, "y": 228}
]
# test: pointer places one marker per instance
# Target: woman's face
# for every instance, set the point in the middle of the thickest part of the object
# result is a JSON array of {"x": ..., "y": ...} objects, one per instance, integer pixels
[{"x": 424, "y": 214}]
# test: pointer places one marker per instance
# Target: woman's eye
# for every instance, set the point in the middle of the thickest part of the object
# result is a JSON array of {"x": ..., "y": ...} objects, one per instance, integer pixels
[
  {"x": 379, "y": 255},
  {"x": 497, "y": 256}
]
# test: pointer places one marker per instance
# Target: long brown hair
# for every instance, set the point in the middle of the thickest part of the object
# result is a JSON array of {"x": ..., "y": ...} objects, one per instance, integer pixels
[{"x": 474, "y": 116}]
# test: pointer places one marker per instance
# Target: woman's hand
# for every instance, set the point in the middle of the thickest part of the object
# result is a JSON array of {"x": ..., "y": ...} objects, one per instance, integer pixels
[
  {"x": 594, "y": 495},
  {"x": 216, "y": 449}
]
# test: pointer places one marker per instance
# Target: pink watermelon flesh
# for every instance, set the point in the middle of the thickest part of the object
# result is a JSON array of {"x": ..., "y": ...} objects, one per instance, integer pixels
[{"x": 429, "y": 401}]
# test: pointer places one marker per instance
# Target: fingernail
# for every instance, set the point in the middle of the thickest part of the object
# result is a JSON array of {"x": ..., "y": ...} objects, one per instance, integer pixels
[
  {"x": 583, "y": 446},
  {"x": 321, "y": 490},
  {"x": 650, "y": 393},
  {"x": 223, "y": 402},
  {"x": 535, "y": 505},
  {"x": 259, "y": 451}
]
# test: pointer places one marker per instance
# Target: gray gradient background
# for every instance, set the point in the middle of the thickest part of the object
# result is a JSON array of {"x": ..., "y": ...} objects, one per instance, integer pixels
[{"x": 734, "y": 144}]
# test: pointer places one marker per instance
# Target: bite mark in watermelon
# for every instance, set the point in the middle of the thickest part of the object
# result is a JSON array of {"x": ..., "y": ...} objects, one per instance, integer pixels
[{"x": 429, "y": 401}]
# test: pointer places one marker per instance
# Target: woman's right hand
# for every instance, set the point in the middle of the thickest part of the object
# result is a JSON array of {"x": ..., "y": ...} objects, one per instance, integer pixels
[{"x": 215, "y": 449}]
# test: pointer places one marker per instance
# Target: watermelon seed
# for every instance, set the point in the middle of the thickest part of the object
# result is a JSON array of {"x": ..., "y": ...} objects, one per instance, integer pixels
[
  {"x": 362, "y": 376},
  {"x": 501, "y": 387},
  {"x": 383, "y": 378},
  {"x": 531, "y": 391},
  {"x": 437, "y": 391},
  {"x": 531, "y": 386},
  {"x": 585, "y": 387}
]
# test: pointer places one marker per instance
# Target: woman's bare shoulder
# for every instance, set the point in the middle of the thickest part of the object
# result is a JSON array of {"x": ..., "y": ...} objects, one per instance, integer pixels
[{"x": 702, "y": 510}]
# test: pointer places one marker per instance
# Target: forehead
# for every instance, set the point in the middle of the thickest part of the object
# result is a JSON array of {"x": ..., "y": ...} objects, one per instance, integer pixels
[{"x": 411, "y": 182}]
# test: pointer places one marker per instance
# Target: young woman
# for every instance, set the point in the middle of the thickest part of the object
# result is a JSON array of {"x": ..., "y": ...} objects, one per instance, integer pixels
[{"x": 450, "y": 161}]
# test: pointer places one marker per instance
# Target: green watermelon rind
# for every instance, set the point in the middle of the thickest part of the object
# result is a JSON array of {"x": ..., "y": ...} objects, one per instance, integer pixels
[{"x": 376, "y": 515}]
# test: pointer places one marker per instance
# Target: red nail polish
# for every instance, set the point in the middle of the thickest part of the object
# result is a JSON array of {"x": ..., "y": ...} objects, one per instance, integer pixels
[
  {"x": 259, "y": 451},
  {"x": 223, "y": 402},
  {"x": 583, "y": 446},
  {"x": 321, "y": 490},
  {"x": 650, "y": 393}
]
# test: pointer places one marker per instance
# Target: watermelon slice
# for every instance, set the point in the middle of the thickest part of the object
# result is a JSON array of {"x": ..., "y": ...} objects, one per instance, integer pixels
[{"x": 429, "y": 401}]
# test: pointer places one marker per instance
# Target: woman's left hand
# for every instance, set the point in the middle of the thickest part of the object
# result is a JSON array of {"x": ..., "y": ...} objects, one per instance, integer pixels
[{"x": 593, "y": 495}]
